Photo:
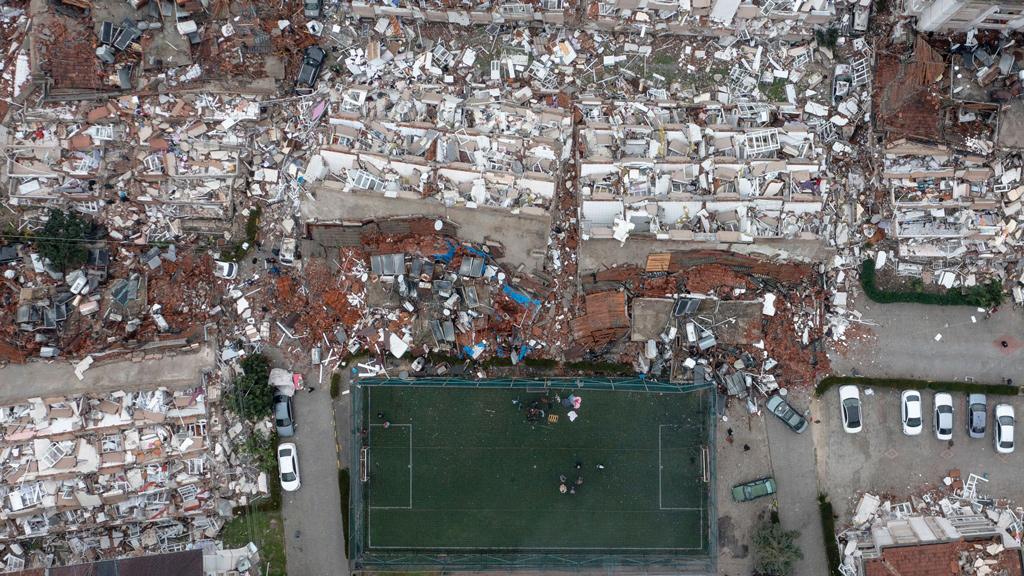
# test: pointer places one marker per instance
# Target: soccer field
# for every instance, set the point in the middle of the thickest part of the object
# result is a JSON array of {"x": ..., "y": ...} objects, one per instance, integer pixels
[{"x": 464, "y": 470}]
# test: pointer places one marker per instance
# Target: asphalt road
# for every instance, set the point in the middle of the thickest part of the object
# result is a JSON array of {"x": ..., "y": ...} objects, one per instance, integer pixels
[
  {"x": 793, "y": 464},
  {"x": 904, "y": 343},
  {"x": 314, "y": 536},
  {"x": 737, "y": 521}
]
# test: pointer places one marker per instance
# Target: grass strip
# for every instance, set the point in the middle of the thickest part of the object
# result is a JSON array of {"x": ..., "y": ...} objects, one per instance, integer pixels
[
  {"x": 908, "y": 384},
  {"x": 983, "y": 295},
  {"x": 335, "y": 385},
  {"x": 343, "y": 486}
]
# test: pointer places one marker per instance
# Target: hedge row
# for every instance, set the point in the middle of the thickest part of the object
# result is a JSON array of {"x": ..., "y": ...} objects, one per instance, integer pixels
[
  {"x": 983, "y": 295},
  {"x": 828, "y": 532},
  {"x": 907, "y": 384},
  {"x": 343, "y": 488}
]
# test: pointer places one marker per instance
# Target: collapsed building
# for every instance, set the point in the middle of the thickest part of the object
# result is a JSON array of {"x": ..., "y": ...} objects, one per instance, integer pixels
[
  {"x": 477, "y": 162},
  {"x": 177, "y": 158},
  {"x": 730, "y": 179},
  {"x": 950, "y": 169},
  {"x": 99, "y": 476},
  {"x": 953, "y": 529}
]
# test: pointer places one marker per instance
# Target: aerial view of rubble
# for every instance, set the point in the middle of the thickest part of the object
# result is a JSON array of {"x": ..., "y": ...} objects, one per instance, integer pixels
[{"x": 323, "y": 287}]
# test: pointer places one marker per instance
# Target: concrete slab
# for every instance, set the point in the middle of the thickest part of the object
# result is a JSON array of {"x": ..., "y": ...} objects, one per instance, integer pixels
[
  {"x": 177, "y": 371},
  {"x": 650, "y": 317},
  {"x": 1011, "y": 126},
  {"x": 598, "y": 254},
  {"x": 167, "y": 49},
  {"x": 524, "y": 236}
]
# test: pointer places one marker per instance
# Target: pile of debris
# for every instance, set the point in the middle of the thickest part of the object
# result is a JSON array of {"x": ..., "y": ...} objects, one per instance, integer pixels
[
  {"x": 954, "y": 526},
  {"x": 120, "y": 474}
]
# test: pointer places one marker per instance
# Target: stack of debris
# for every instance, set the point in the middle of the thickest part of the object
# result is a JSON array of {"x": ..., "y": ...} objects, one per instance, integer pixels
[
  {"x": 120, "y": 474},
  {"x": 955, "y": 527}
]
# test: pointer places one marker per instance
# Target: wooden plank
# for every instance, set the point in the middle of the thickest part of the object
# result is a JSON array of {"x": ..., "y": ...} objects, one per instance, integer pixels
[{"x": 658, "y": 262}]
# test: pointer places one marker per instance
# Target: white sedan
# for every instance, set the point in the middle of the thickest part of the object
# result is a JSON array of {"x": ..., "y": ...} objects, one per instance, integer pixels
[
  {"x": 911, "y": 412},
  {"x": 849, "y": 405},
  {"x": 1002, "y": 432},
  {"x": 225, "y": 270},
  {"x": 288, "y": 467},
  {"x": 944, "y": 416}
]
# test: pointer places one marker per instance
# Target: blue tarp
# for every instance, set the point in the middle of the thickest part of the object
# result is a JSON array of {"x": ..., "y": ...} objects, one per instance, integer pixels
[
  {"x": 519, "y": 297},
  {"x": 475, "y": 350},
  {"x": 446, "y": 257},
  {"x": 479, "y": 253}
]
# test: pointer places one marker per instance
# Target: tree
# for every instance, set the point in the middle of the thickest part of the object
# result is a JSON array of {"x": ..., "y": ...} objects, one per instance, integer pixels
[
  {"x": 775, "y": 549},
  {"x": 252, "y": 397},
  {"x": 61, "y": 240}
]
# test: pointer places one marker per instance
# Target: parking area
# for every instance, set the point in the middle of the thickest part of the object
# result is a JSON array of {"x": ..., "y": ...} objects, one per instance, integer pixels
[
  {"x": 884, "y": 460},
  {"x": 735, "y": 465}
]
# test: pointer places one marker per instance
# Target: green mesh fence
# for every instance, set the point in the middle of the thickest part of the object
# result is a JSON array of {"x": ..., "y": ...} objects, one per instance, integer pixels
[{"x": 457, "y": 437}]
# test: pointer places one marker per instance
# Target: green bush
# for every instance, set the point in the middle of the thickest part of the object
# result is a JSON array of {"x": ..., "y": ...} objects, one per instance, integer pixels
[
  {"x": 252, "y": 229},
  {"x": 335, "y": 385},
  {"x": 252, "y": 397},
  {"x": 602, "y": 368},
  {"x": 827, "y": 37},
  {"x": 496, "y": 362},
  {"x": 775, "y": 549},
  {"x": 263, "y": 450},
  {"x": 828, "y": 532},
  {"x": 543, "y": 363},
  {"x": 343, "y": 487},
  {"x": 908, "y": 384},
  {"x": 62, "y": 239},
  {"x": 984, "y": 295}
]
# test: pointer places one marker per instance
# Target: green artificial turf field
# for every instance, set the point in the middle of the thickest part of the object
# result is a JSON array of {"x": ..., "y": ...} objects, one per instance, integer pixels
[{"x": 463, "y": 470}]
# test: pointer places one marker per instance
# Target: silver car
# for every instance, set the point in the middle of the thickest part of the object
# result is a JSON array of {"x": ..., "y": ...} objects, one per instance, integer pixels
[
  {"x": 284, "y": 417},
  {"x": 977, "y": 415},
  {"x": 787, "y": 414}
]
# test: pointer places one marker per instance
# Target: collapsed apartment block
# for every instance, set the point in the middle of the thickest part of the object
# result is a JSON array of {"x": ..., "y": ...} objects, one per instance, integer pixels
[
  {"x": 941, "y": 210},
  {"x": 950, "y": 169},
  {"x": 514, "y": 13},
  {"x": 481, "y": 162},
  {"x": 711, "y": 16},
  {"x": 963, "y": 15},
  {"x": 177, "y": 157},
  {"x": 651, "y": 169},
  {"x": 113, "y": 475},
  {"x": 687, "y": 17},
  {"x": 951, "y": 529}
]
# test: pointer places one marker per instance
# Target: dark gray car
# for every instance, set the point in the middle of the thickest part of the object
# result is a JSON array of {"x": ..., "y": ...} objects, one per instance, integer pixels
[
  {"x": 284, "y": 416},
  {"x": 977, "y": 413},
  {"x": 787, "y": 414},
  {"x": 312, "y": 61}
]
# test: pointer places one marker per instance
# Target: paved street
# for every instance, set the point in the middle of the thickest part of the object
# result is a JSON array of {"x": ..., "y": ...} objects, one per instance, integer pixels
[
  {"x": 794, "y": 469},
  {"x": 314, "y": 536},
  {"x": 737, "y": 520},
  {"x": 905, "y": 345}
]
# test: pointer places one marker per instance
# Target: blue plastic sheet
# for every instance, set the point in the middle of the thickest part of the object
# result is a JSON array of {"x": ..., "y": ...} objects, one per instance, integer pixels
[{"x": 520, "y": 298}]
